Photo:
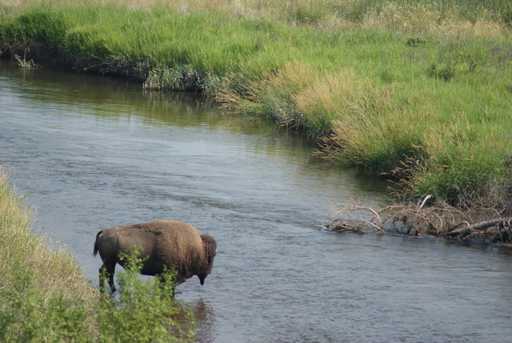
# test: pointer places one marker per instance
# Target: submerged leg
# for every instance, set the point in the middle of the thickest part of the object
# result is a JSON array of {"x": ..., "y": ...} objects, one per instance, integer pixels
[{"x": 102, "y": 273}]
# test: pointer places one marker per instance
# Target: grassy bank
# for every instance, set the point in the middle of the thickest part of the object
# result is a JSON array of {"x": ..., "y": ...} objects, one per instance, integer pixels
[
  {"x": 418, "y": 91},
  {"x": 45, "y": 298}
]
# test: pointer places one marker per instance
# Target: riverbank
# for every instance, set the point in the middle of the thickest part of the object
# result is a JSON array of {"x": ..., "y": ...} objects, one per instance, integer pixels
[
  {"x": 45, "y": 297},
  {"x": 416, "y": 93}
]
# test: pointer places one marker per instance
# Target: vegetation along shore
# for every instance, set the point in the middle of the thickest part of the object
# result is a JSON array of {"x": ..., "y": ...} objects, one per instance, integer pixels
[{"x": 418, "y": 92}]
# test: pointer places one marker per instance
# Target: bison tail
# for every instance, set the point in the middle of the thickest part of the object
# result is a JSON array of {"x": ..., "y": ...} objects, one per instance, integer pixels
[{"x": 96, "y": 247}]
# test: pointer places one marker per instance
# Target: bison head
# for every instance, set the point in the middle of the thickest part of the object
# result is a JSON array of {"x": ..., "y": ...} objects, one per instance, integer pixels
[{"x": 210, "y": 249}]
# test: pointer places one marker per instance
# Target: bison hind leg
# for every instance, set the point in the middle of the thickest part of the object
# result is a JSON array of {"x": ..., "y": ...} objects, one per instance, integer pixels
[{"x": 107, "y": 271}]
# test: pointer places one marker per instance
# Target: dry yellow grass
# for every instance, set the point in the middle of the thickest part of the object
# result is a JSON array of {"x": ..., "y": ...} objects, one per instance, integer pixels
[
  {"x": 341, "y": 93},
  {"x": 423, "y": 19},
  {"x": 420, "y": 18}
]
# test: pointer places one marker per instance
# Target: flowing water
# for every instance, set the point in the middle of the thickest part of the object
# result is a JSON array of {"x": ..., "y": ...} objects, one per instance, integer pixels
[{"x": 88, "y": 152}]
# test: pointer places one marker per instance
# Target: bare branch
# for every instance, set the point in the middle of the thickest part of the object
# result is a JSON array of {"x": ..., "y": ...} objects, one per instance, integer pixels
[{"x": 422, "y": 204}]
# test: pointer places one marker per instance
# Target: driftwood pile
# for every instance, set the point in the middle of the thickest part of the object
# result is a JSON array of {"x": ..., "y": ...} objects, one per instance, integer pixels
[{"x": 473, "y": 226}]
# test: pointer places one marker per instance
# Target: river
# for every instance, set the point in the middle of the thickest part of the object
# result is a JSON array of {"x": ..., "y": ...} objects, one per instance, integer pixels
[{"x": 88, "y": 152}]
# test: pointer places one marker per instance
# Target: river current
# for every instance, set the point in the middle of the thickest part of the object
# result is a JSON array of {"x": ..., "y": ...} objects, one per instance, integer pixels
[{"x": 89, "y": 152}]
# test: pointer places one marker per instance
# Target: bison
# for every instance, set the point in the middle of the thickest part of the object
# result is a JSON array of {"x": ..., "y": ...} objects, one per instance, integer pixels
[{"x": 163, "y": 245}]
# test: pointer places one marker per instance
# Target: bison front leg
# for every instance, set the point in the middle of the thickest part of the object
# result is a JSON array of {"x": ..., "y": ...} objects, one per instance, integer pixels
[{"x": 107, "y": 271}]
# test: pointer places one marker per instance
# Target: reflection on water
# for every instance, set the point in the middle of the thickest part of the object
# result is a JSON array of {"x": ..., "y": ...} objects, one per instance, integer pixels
[
  {"x": 204, "y": 313},
  {"x": 89, "y": 153}
]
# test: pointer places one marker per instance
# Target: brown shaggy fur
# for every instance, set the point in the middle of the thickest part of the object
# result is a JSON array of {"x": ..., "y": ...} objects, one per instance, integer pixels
[{"x": 164, "y": 244}]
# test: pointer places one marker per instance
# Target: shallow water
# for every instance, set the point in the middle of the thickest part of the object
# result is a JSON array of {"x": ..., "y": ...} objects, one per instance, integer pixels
[{"x": 88, "y": 153}]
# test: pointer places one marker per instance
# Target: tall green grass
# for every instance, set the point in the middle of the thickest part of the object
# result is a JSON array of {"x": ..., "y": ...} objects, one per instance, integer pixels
[
  {"x": 304, "y": 11},
  {"x": 44, "y": 297},
  {"x": 418, "y": 91}
]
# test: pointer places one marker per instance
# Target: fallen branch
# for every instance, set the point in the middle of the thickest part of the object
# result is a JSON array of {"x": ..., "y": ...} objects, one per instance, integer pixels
[
  {"x": 484, "y": 225},
  {"x": 353, "y": 225},
  {"x": 422, "y": 204},
  {"x": 363, "y": 208},
  {"x": 506, "y": 221}
]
